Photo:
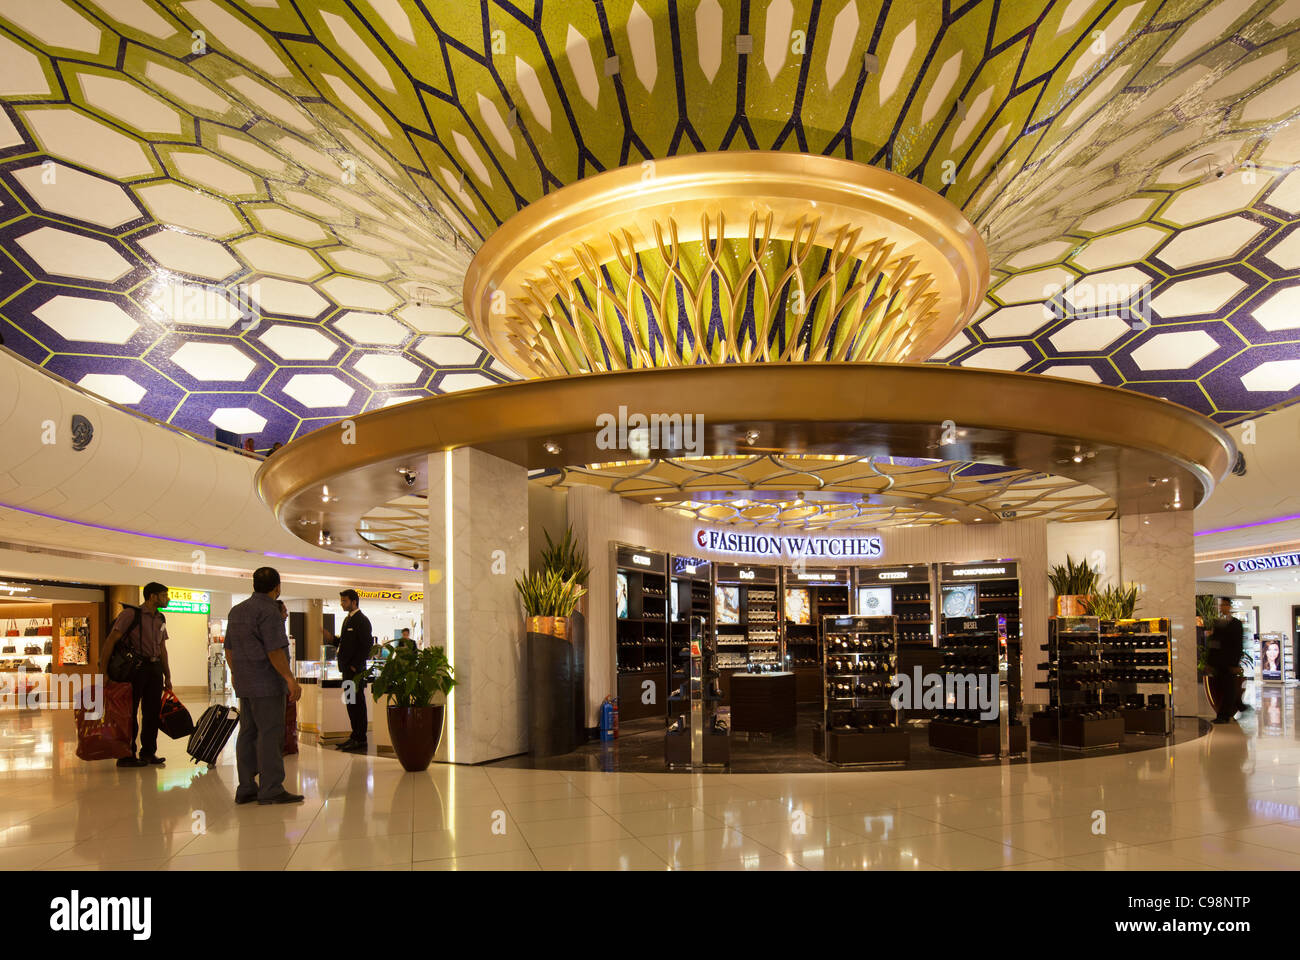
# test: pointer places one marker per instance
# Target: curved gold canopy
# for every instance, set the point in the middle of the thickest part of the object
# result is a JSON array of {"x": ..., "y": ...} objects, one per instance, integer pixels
[
  {"x": 726, "y": 258},
  {"x": 1145, "y": 454}
]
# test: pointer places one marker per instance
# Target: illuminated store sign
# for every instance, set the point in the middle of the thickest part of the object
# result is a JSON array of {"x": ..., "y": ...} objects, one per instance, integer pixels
[
  {"x": 980, "y": 572},
  {"x": 1276, "y": 561},
  {"x": 187, "y": 601},
  {"x": 770, "y": 545},
  {"x": 640, "y": 561},
  {"x": 892, "y": 575}
]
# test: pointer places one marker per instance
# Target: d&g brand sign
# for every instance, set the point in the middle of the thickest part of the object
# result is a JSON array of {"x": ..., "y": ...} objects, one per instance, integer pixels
[{"x": 771, "y": 545}]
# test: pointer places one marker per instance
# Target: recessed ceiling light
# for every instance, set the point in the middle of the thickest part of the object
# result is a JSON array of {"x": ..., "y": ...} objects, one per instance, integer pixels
[
  {"x": 551, "y": 447},
  {"x": 751, "y": 437}
]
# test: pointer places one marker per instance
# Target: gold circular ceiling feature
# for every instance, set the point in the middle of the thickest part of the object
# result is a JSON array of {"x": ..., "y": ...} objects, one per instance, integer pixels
[{"x": 726, "y": 258}]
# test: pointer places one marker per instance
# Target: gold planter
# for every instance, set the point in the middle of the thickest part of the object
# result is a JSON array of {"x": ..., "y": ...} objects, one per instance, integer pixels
[
  {"x": 548, "y": 626},
  {"x": 1073, "y": 605}
]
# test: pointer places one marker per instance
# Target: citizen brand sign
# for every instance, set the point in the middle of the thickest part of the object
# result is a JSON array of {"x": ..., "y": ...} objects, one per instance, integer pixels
[
  {"x": 1275, "y": 561},
  {"x": 771, "y": 545}
]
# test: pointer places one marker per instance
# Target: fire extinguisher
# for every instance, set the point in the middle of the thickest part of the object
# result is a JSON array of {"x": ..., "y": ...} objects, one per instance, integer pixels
[{"x": 608, "y": 719}]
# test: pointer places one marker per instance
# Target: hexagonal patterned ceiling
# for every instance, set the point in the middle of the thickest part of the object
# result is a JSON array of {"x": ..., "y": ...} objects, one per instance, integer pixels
[{"x": 257, "y": 215}]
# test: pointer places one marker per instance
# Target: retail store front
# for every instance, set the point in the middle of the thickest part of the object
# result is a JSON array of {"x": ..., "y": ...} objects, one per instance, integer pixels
[
  {"x": 51, "y": 633},
  {"x": 790, "y": 650}
]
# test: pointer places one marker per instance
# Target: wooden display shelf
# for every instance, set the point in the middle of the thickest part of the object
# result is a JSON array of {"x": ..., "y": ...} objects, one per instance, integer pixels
[
  {"x": 1153, "y": 722},
  {"x": 1076, "y": 734},
  {"x": 677, "y": 749},
  {"x": 844, "y": 748},
  {"x": 982, "y": 741}
]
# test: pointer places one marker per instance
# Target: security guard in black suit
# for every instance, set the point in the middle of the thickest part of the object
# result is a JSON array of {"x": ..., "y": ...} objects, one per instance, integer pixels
[{"x": 355, "y": 641}]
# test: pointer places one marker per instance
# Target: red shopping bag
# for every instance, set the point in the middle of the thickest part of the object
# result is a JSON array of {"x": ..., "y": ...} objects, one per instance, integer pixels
[
  {"x": 290, "y": 730},
  {"x": 109, "y": 737}
]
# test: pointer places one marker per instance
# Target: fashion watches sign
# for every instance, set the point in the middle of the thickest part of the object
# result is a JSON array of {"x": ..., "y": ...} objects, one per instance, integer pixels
[
  {"x": 1275, "y": 561},
  {"x": 771, "y": 545}
]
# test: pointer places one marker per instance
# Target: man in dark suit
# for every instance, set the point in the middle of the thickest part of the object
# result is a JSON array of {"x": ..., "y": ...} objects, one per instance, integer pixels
[
  {"x": 1223, "y": 656},
  {"x": 354, "y": 642}
]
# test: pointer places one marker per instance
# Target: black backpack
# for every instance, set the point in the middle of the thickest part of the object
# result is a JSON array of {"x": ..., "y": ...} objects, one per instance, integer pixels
[{"x": 126, "y": 662}]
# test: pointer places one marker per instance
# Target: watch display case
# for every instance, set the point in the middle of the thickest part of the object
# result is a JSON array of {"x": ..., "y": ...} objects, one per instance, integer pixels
[
  {"x": 698, "y": 729},
  {"x": 641, "y": 627},
  {"x": 1079, "y": 716},
  {"x": 974, "y": 719},
  {"x": 808, "y": 599},
  {"x": 860, "y": 723},
  {"x": 1137, "y": 673}
]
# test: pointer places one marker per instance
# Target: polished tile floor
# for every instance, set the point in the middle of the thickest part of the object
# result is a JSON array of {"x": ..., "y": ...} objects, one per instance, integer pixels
[{"x": 1228, "y": 800}]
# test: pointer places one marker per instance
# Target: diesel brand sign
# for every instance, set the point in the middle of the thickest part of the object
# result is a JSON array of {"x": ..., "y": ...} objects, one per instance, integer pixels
[{"x": 771, "y": 545}]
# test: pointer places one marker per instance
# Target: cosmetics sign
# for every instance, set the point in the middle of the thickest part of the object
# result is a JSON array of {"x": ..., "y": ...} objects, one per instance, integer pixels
[
  {"x": 1276, "y": 561},
  {"x": 788, "y": 548}
]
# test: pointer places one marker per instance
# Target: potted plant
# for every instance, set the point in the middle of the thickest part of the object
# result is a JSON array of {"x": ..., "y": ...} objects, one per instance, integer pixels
[
  {"x": 1074, "y": 585},
  {"x": 1114, "y": 602},
  {"x": 549, "y": 600},
  {"x": 410, "y": 678},
  {"x": 565, "y": 558}
]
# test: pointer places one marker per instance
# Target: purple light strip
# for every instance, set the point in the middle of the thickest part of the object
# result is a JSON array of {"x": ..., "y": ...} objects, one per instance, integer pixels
[
  {"x": 1247, "y": 526},
  {"x": 197, "y": 543}
]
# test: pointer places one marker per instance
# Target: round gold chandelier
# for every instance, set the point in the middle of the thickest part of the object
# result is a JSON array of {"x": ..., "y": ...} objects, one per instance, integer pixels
[{"x": 726, "y": 258}]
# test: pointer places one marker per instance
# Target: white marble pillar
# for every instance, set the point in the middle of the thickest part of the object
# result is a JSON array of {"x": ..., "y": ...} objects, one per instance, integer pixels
[
  {"x": 484, "y": 501},
  {"x": 1156, "y": 552}
]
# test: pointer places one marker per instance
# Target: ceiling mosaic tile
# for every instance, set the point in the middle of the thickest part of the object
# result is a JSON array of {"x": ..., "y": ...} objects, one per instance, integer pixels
[{"x": 216, "y": 171}]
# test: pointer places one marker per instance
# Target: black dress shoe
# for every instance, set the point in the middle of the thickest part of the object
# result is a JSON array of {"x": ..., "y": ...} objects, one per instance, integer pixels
[
  {"x": 346, "y": 745},
  {"x": 155, "y": 761},
  {"x": 131, "y": 762},
  {"x": 355, "y": 748},
  {"x": 248, "y": 799},
  {"x": 283, "y": 797}
]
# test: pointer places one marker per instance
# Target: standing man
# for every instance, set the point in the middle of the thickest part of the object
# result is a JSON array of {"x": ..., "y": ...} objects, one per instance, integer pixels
[
  {"x": 258, "y": 651},
  {"x": 1224, "y": 658},
  {"x": 143, "y": 630},
  {"x": 355, "y": 641}
]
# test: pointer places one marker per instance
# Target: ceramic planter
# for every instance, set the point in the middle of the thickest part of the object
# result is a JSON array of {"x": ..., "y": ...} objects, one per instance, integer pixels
[
  {"x": 548, "y": 626},
  {"x": 415, "y": 732},
  {"x": 1072, "y": 605}
]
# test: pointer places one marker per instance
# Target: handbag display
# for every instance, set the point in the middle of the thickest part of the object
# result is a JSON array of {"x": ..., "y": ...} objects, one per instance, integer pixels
[
  {"x": 8, "y": 648},
  {"x": 30, "y": 630},
  {"x": 173, "y": 719},
  {"x": 32, "y": 650},
  {"x": 45, "y": 629},
  {"x": 109, "y": 736},
  {"x": 49, "y": 648},
  {"x": 11, "y": 628}
]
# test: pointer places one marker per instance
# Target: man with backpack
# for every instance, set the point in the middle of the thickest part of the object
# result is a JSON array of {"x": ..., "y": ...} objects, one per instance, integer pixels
[{"x": 139, "y": 638}]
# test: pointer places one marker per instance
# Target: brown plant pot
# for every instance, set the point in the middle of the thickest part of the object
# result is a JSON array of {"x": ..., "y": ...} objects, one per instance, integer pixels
[
  {"x": 548, "y": 626},
  {"x": 415, "y": 732},
  {"x": 1073, "y": 605}
]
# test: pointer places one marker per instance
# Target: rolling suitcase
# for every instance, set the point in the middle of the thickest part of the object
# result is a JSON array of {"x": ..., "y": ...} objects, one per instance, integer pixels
[{"x": 212, "y": 733}]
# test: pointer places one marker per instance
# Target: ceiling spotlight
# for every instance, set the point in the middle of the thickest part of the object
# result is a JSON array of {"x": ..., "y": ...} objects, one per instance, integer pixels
[
  {"x": 657, "y": 499},
  {"x": 1077, "y": 458},
  {"x": 751, "y": 437},
  {"x": 551, "y": 447}
]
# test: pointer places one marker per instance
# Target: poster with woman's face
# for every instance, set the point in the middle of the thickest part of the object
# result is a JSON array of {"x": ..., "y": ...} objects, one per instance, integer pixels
[{"x": 1271, "y": 652}]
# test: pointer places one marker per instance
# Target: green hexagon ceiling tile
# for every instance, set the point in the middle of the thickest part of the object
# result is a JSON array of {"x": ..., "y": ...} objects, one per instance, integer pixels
[{"x": 258, "y": 216}]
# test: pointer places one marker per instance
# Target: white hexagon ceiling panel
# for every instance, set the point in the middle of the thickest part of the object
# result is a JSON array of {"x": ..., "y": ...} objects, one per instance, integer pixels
[{"x": 302, "y": 185}]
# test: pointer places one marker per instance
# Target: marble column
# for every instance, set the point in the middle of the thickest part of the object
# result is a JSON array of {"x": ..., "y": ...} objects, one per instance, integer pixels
[
  {"x": 470, "y": 603},
  {"x": 1156, "y": 552}
]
